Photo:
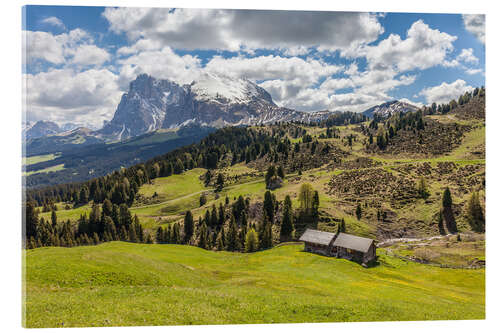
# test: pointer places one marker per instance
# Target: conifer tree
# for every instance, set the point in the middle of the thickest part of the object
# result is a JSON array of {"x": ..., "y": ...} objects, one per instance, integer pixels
[
  {"x": 203, "y": 240},
  {"x": 286, "y": 230},
  {"x": 358, "y": 211},
  {"x": 31, "y": 220},
  {"x": 474, "y": 213},
  {"x": 132, "y": 236},
  {"x": 269, "y": 205},
  {"x": 219, "y": 184},
  {"x": 176, "y": 234},
  {"x": 266, "y": 241},
  {"x": 188, "y": 226},
  {"x": 341, "y": 226},
  {"x": 159, "y": 235},
  {"x": 422, "y": 188},
  {"x": 232, "y": 236},
  {"x": 53, "y": 218},
  {"x": 203, "y": 199},
  {"x": 281, "y": 172}
]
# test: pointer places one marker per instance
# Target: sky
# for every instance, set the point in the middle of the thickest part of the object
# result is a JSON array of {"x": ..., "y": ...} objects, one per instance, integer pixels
[{"x": 79, "y": 61}]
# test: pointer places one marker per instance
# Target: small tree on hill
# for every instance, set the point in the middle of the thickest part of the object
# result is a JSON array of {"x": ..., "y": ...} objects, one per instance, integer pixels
[
  {"x": 306, "y": 194},
  {"x": 188, "y": 226},
  {"x": 358, "y": 211},
  {"x": 203, "y": 241},
  {"x": 474, "y": 213},
  {"x": 269, "y": 205},
  {"x": 341, "y": 226},
  {"x": 422, "y": 188},
  {"x": 286, "y": 230},
  {"x": 232, "y": 236},
  {"x": 251, "y": 241},
  {"x": 203, "y": 199},
  {"x": 160, "y": 238},
  {"x": 447, "y": 201},
  {"x": 219, "y": 184}
]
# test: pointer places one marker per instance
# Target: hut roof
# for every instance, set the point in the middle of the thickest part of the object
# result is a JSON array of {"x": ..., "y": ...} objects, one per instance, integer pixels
[
  {"x": 317, "y": 237},
  {"x": 352, "y": 242}
]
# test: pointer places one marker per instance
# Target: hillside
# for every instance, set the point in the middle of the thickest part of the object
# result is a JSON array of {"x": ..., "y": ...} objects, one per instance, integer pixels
[
  {"x": 118, "y": 283},
  {"x": 383, "y": 182}
]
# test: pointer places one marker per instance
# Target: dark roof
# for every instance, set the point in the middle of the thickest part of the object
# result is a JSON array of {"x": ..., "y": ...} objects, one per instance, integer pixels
[
  {"x": 317, "y": 237},
  {"x": 352, "y": 242}
]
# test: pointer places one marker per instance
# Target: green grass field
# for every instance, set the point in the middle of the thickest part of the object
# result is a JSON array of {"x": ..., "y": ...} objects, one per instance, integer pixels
[
  {"x": 138, "y": 284},
  {"x": 39, "y": 158},
  {"x": 46, "y": 170}
]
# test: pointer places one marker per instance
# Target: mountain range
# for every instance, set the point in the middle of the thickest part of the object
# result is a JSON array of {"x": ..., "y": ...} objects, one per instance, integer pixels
[{"x": 212, "y": 100}]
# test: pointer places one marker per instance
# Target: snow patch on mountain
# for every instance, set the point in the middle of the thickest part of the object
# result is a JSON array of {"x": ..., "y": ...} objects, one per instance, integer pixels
[
  {"x": 389, "y": 108},
  {"x": 210, "y": 86}
]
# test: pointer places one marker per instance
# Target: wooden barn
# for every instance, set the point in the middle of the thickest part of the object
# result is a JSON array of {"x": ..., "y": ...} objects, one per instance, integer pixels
[{"x": 340, "y": 245}]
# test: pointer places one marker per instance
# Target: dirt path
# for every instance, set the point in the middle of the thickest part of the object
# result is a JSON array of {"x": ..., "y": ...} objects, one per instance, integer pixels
[{"x": 391, "y": 241}]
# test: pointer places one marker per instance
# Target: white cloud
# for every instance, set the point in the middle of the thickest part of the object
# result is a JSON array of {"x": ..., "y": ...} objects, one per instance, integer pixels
[
  {"x": 467, "y": 55},
  {"x": 445, "y": 92},
  {"x": 76, "y": 46},
  {"x": 52, "y": 20},
  {"x": 475, "y": 24},
  {"x": 43, "y": 45},
  {"x": 245, "y": 29},
  {"x": 474, "y": 71},
  {"x": 162, "y": 64},
  {"x": 423, "y": 48},
  {"x": 89, "y": 55},
  {"x": 63, "y": 95}
]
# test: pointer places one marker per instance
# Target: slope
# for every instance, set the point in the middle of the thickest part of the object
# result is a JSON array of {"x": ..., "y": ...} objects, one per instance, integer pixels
[{"x": 139, "y": 284}]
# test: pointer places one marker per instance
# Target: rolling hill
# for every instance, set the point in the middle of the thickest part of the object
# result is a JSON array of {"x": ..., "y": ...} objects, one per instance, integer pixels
[{"x": 123, "y": 284}]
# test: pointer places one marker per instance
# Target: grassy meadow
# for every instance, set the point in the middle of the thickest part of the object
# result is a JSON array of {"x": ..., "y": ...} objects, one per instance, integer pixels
[{"x": 118, "y": 283}]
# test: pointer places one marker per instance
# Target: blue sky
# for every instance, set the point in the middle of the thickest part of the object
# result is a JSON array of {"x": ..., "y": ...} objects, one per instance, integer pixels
[{"x": 79, "y": 60}]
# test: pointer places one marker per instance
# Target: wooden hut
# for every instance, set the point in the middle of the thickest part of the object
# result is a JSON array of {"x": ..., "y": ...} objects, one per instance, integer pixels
[
  {"x": 340, "y": 245},
  {"x": 354, "y": 248},
  {"x": 318, "y": 241}
]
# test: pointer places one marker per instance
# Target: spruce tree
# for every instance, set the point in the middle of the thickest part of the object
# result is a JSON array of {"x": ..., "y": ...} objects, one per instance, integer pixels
[
  {"x": 219, "y": 184},
  {"x": 358, "y": 211},
  {"x": 286, "y": 230},
  {"x": 474, "y": 213},
  {"x": 176, "y": 234},
  {"x": 269, "y": 205},
  {"x": 203, "y": 240},
  {"x": 53, "y": 218},
  {"x": 132, "y": 236},
  {"x": 447, "y": 201},
  {"x": 31, "y": 220},
  {"x": 232, "y": 236},
  {"x": 188, "y": 226},
  {"x": 159, "y": 235}
]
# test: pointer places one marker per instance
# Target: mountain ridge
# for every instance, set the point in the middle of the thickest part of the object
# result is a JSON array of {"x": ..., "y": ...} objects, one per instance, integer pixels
[{"x": 212, "y": 100}]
